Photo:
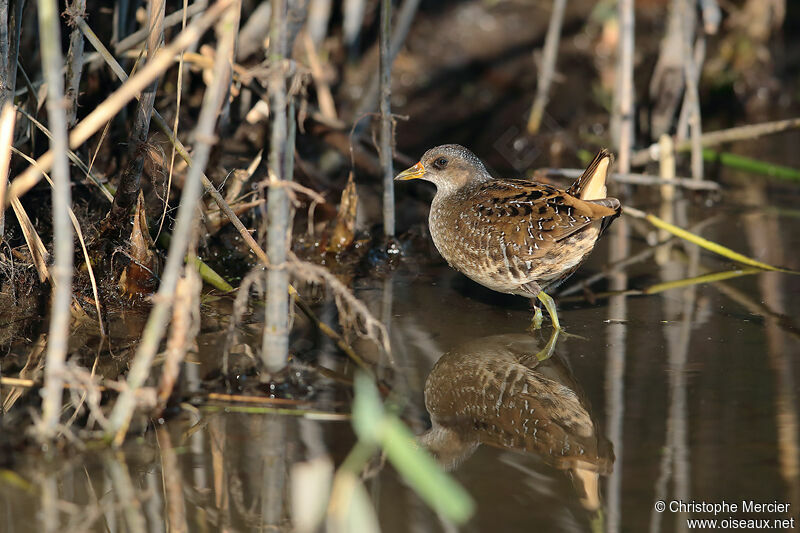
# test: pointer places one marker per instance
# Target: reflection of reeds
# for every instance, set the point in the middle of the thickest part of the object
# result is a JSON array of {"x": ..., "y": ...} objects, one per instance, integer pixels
[{"x": 172, "y": 482}]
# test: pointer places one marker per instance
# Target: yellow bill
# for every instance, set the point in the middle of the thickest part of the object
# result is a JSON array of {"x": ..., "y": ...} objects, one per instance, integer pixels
[{"x": 417, "y": 171}]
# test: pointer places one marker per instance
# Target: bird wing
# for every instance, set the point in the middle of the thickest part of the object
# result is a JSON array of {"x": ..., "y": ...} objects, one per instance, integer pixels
[{"x": 528, "y": 212}]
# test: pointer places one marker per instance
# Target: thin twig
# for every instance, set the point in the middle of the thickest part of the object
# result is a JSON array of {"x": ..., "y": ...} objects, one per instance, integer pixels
[
  {"x": 156, "y": 323},
  {"x": 548, "y": 66},
  {"x": 347, "y": 303},
  {"x": 52, "y": 63}
]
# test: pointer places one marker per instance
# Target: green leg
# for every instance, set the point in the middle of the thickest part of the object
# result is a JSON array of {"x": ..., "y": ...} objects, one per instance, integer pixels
[
  {"x": 547, "y": 351},
  {"x": 550, "y": 305}
]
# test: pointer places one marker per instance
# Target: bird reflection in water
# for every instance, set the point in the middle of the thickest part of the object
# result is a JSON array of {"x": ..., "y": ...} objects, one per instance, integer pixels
[{"x": 496, "y": 391}]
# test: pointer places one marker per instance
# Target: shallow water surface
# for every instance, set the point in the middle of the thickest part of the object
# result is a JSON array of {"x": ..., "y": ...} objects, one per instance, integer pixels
[{"x": 677, "y": 392}]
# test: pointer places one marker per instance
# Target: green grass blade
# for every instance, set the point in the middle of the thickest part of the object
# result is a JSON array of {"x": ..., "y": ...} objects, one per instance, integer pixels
[
  {"x": 702, "y": 242},
  {"x": 749, "y": 164},
  {"x": 438, "y": 489}
]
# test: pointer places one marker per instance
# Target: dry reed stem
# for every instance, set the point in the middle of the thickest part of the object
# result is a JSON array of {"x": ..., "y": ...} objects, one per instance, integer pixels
[
  {"x": 691, "y": 73},
  {"x": 715, "y": 138},
  {"x": 156, "y": 324},
  {"x": 261, "y": 400},
  {"x": 712, "y": 16},
  {"x": 638, "y": 179},
  {"x": 327, "y": 105},
  {"x": 7, "y": 120},
  {"x": 275, "y": 342},
  {"x": 622, "y": 120},
  {"x": 170, "y": 20},
  {"x": 667, "y": 192},
  {"x": 119, "y": 98},
  {"x": 387, "y": 130},
  {"x": 145, "y": 395},
  {"x": 52, "y": 64},
  {"x": 74, "y": 61}
]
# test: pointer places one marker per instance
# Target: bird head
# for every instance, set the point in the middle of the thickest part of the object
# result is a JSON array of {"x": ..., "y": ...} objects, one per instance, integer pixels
[{"x": 449, "y": 167}]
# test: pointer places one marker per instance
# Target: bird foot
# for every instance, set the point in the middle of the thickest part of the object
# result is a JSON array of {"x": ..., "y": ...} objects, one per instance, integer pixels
[{"x": 536, "y": 323}]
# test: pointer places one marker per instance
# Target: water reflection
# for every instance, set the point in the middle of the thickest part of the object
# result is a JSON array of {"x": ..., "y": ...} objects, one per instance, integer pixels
[{"x": 496, "y": 391}]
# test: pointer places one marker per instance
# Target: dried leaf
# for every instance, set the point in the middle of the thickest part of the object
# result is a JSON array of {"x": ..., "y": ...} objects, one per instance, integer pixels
[
  {"x": 139, "y": 277},
  {"x": 35, "y": 245},
  {"x": 344, "y": 227}
]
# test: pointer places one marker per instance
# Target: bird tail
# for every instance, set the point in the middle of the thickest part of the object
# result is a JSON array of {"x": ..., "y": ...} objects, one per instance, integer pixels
[{"x": 592, "y": 183}]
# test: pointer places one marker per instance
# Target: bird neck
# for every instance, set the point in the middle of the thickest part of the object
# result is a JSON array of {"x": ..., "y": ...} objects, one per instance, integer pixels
[{"x": 461, "y": 183}]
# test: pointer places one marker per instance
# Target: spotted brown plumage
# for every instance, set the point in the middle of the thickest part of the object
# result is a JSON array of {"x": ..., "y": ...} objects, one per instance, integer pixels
[{"x": 511, "y": 235}]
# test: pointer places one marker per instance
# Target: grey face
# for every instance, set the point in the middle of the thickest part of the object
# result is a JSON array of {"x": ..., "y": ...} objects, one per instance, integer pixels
[{"x": 449, "y": 167}]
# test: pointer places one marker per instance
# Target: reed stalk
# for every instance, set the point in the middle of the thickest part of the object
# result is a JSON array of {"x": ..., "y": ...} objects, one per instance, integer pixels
[
  {"x": 61, "y": 271},
  {"x": 275, "y": 342},
  {"x": 548, "y": 66},
  {"x": 386, "y": 140}
]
